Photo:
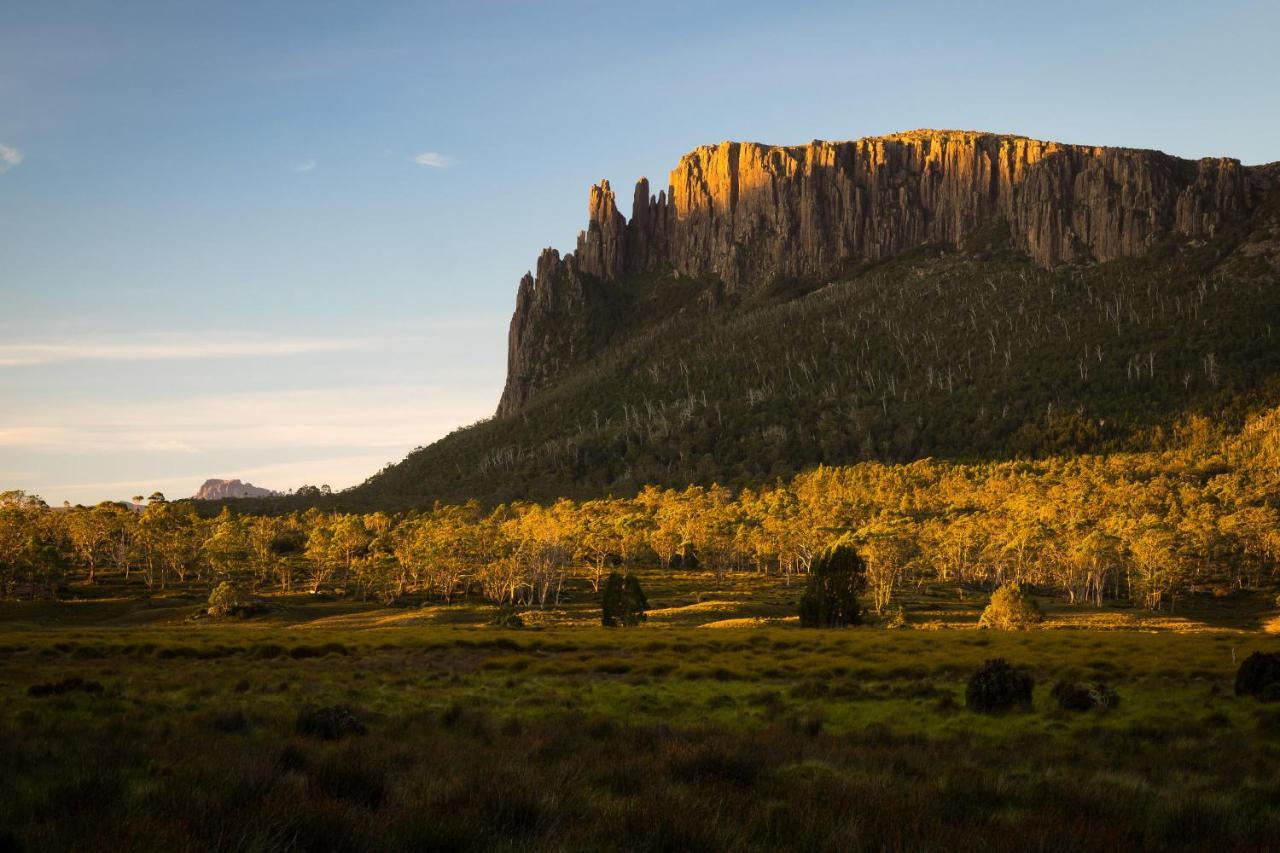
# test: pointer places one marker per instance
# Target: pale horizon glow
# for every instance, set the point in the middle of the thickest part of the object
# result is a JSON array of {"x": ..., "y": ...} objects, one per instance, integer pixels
[
  {"x": 215, "y": 345},
  {"x": 386, "y": 420}
]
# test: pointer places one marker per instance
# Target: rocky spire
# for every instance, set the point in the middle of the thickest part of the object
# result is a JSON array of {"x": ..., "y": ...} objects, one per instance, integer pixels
[
  {"x": 602, "y": 247},
  {"x": 647, "y": 232}
]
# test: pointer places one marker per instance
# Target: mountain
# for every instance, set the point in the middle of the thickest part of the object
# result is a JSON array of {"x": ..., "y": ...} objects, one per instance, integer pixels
[
  {"x": 749, "y": 216},
  {"x": 214, "y": 490},
  {"x": 933, "y": 293}
]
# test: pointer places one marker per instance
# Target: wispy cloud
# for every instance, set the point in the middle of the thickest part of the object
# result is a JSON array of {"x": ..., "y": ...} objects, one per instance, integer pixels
[
  {"x": 165, "y": 347},
  {"x": 303, "y": 166},
  {"x": 9, "y": 157},
  {"x": 434, "y": 159}
]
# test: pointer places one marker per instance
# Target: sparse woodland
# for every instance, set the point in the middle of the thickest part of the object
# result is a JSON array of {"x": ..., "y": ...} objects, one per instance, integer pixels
[{"x": 1139, "y": 527}]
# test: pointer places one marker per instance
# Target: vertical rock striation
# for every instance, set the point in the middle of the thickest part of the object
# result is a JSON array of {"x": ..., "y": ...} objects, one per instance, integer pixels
[{"x": 751, "y": 214}]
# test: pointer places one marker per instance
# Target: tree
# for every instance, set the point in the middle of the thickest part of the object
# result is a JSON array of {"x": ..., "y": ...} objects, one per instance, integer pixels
[
  {"x": 89, "y": 531},
  {"x": 1156, "y": 565},
  {"x": 259, "y": 538},
  {"x": 333, "y": 547},
  {"x": 225, "y": 549},
  {"x": 888, "y": 550},
  {"x": 225, "y": 600},
  {"x": 170, "y": 541},
  {"x": 836, "y": 579},
  {"x": 623, "y": 602},
  {"x": 597, "y": 537}
]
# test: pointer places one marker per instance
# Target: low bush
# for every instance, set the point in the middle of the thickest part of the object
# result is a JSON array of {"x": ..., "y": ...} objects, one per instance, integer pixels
[
  {"x": 622, "y": 602},
  {"x": 1077, "y": 696},
  {"x": 66, "y": 685},
  {"x": 330, "y": 723},
  {"x": 229, "y": 600},
  {"x": 507, "y": 619},
  {"x": 1011, "y": 609},
  {"x": 1259, "y": 676},
  {"x": 301, "y": 652},
  {"x": 997, "y": 686},
  {"x": 734, "y": 764},
  {"x": 265, "y": 651},
  {"x": 229, "y": 721}
]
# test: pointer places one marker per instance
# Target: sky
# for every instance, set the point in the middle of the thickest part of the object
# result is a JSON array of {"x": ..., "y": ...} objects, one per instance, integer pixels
[{"x": 281, "y": 241}]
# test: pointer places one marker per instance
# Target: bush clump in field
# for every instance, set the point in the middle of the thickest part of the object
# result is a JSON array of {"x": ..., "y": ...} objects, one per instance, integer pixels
[
  {"x": 1011, "y": 609},
  {"x": 997, "y": 686},
  {"x": 1259, "y": 676},
  {"x": 507, "y": 619},
  {"x": 830, "y": 598},
  {"x": 67, "y": 685},
  {"x": 1076, "y": 696},
  {"x": 228, "y": 721},
  {"x": 330, "y": 723},
  {"x": 227, "y": 599},
  {"x": 623, "y": 602}
]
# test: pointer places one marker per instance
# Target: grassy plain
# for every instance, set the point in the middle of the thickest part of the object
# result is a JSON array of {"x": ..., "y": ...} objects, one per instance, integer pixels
[{"x": 719, "y": 724}]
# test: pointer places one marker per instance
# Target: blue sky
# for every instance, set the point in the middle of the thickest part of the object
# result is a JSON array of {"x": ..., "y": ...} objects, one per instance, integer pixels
[{"x": 281, "y": 241}]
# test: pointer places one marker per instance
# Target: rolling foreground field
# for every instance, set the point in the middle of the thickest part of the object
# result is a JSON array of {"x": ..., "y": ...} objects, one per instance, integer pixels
[{"x": 718, "y": 724}]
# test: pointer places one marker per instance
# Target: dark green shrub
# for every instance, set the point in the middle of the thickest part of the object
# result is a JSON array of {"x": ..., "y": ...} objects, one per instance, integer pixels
[
  {"x": 66, "y": 685},
  {"x": 1075, "y": 696},
  {"x": 224, "y": 599},
  {"x": 227, "y": 599},
  {"x": 1011, "y": 609},
  {"x": 507, "y": 619},
  {"x": 735, "y": 764},
  {"x": 1259, "y": 676},
  {"x": 352, "y": 775},
  {"x": 331, "y": 723},
  {"x": 265, "y": 651},
  {"x": 228, "y": 722},
  {"x": 997, "y": 686},
  {"x": 622, "y": 602},
  {"x": 836, "y": 578}
]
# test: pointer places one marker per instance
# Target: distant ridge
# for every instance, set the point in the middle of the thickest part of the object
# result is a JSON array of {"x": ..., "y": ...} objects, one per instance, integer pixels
[{"x": 216, "y": 490}]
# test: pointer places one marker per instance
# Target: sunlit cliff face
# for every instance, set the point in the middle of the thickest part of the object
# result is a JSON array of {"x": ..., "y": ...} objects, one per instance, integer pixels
[
  {"x": 749, "y": 212},
  {"x": 747, "y": 215}
]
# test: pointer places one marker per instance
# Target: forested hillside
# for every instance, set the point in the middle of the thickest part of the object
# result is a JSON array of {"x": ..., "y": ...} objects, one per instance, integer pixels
[{"x": 937, "y": 355}]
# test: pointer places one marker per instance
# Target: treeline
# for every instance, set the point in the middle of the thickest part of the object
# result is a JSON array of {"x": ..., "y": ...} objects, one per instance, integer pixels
[{"x": 1143, "y": 528}]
